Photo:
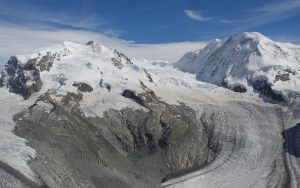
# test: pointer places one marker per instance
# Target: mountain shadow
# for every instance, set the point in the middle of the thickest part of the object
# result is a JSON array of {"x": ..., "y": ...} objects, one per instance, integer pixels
[{"x": 292, "y": 140}]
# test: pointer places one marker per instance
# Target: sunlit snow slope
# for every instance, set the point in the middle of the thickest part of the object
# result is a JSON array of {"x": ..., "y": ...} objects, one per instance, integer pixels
[{"x": 248, "y": 62}]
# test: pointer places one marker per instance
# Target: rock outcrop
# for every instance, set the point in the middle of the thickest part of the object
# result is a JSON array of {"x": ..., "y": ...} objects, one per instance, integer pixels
[
  {"x": 83, "y": 87},
  {"x": 23, "y": 79}
]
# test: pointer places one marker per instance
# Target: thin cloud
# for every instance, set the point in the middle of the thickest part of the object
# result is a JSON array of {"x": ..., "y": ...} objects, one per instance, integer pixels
[
  {"x": 280, "y": 7},
  {"x": 287, "y": 38},
  {"x": 195, "y": 15},
  {"x": 271, "y": 12},
  {"x": 20, "y": 40},
  {"x": 32, "y": 16},
  {"x": 226, "y": 21},
  {"x": 268, "y": 13}
]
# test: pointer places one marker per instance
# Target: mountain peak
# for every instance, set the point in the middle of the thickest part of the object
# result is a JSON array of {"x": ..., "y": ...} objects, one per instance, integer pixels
[
  {"x": 97, "y": 47},
  {"x": 254, "y": 35},
  {"x": 90, "y": 43},
  {"x": 247, "y": 62},
  {"x": 214, "y": 43},
  {"x": 247, "y": 37},
  {"x": 26, "y": 74}
]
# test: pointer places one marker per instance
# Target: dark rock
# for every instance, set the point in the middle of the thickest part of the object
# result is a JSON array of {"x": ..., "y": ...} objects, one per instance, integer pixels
[
  {"x": 108, "y": 87},
  {"x": 102, "y": 84},
  {"x": 71, "y": 97},
  {"x": 163, "y": 141},
  {"x": 292, "y": 140},
  {"x": 24, "y": 85},
  {"x": 150, "y": 143},
  {"x": 240, "y": 89},
  {"x": 31, "y": 64},
  {"x": 120, "y": 60},
  {"x": 215, "y": 71},
  {"x": 148, "y": 76},
  {"x": 46, "y": 62},
  {"x": 265, "y": 88},
  {"x": 290, "y": 71},
  {"x": 83, "y": 87},
  {"x": 12, "y": 65},
  {"x": 90, "y": 43},
  {"x": 131, "y": 95},
  {"x": 89, "y": 65},
  {"x": 282, "y": 77},
  {"x": 237, "y": 88},
  {"x": 260, "y": 86},
  {"x": 21, "y": 79},
  {"x": 24, "y": 78},
  {"x": 246, "y": 41}
]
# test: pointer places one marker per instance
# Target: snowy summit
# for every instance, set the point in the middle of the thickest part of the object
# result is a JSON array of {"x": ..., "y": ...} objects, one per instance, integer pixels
[{"x": 248, "y": 62}]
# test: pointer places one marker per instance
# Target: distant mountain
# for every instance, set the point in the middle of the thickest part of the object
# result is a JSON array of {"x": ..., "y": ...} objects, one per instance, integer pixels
[{"x": 248, "y": 62}]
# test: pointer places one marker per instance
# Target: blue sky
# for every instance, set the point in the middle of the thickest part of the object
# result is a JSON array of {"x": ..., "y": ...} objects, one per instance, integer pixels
[
  {"x": 158, "y": 21},
  {"x": 164, "y": 29}
]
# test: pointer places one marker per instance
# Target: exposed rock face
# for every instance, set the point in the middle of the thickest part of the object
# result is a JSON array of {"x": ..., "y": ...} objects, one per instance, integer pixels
[
  {"x": 266, "y": 89},
  {"x": 169, "y": 138},
  {"x": 90, "y": 43},
  {"x": 176, "y": 130},
  {"x": 83, "y": 87},
  {"x": 120, "y": 60},
  {"x": 240, "y": 89},
  {"x": 148, "y": 76},
  {"x": 105, "y": 85},
  {"x": 235, "y": 88},
  {"x": 132, "y": 95},
  {"x": 284, "y": 75},
  {"x": 45, "y": 63},
  {"x": 23, "y": 79}
]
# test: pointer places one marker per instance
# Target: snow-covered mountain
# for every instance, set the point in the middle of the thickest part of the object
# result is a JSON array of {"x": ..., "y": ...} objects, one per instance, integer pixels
[
  {"x": 248, "y": 62},
  {"x": 76, "y": 115}
]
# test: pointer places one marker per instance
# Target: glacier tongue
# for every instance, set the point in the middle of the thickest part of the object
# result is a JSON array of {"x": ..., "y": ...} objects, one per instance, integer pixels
[
  {"x": 251, "y": 149},
  {"x": 14, "y": 152}
]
